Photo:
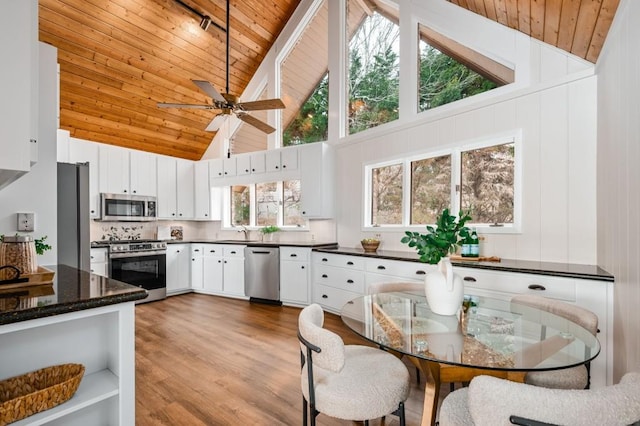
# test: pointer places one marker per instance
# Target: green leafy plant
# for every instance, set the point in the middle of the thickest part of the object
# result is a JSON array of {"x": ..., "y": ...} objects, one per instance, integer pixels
[
  {"x": 269, "y": 229},
  {"x": 438, "y": 242}
]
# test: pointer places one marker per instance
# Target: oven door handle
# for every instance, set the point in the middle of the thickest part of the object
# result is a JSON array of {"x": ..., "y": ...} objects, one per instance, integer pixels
[{"x": 137, "y": 254}]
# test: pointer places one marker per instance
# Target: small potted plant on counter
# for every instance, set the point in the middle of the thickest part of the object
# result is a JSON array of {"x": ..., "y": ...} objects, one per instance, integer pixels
[{"x": 268, "y": 231}]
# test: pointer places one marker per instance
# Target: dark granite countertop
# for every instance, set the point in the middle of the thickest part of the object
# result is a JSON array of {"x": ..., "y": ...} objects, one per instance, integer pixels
[
  {"x": 567, "y": 270},
  {"x": 70, "y": 291},
  {"x": 256, "y": 243}
]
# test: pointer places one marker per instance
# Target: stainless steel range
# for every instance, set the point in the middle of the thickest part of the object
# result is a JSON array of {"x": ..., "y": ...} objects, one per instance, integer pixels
[{"x": 142, "y": 263}]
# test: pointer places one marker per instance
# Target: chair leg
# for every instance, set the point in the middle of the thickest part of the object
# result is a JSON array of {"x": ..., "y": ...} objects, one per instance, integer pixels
[
  {"x": 304, "y": 412},
  {"x": 418, "y": 374},
  {"x": 401, "y": 414}
]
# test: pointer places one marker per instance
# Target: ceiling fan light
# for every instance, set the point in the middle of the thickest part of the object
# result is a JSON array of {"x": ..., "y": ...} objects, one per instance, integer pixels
[{"x": 205, "y": 22}]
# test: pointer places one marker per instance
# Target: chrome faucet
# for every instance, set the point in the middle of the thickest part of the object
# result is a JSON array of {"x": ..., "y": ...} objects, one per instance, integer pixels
[{"x": 246, "y": 232}]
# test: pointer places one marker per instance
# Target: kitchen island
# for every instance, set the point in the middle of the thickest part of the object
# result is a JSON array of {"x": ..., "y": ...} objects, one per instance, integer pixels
[{"x": 79, "y": 318}]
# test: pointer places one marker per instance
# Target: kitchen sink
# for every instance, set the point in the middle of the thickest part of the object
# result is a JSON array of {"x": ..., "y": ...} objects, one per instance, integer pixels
[{"x": 237, "y": 241}]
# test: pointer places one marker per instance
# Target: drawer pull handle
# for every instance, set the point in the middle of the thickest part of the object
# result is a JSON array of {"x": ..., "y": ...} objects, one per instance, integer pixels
[
  {"x": 381, "y": 267},
  {"x": 196, "y": 249},
  {"x": 324, "y": 296},
  {"x": 233, "y": 252},
  {"x": 293, "y": 255},
  {"x": 537, "y": 287},
  {"x": 212, "y": 251},
  {"x": 324, "y": 259},
  {"x": 420, "y": 272},
  {"x": 350, "y": 281},
  {"x": 324, "y": 276},
  {"x": 349, "y": 263},
  {"x": 472, "y": 279}
]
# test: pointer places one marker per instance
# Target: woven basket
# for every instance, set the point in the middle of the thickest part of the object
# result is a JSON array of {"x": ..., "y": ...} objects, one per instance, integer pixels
[
  {"x": 370, "y": 247},
  {"x": 28, "y": 394}
]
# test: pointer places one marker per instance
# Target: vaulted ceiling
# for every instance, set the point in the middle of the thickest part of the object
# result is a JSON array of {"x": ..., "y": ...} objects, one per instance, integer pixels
[{"x": 118, "y": 58}]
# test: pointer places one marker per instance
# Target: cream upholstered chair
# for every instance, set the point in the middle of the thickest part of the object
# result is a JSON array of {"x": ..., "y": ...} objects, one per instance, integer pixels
[
  {"x": 350, "y": 382},
  {"x": 568, "y": 378},
  {"x": 493, "y": 401}
]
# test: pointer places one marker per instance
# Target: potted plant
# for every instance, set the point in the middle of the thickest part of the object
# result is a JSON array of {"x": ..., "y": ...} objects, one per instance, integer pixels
[
  {"x": 443, "y": 288},
  {"x": 268, "y": 231}
]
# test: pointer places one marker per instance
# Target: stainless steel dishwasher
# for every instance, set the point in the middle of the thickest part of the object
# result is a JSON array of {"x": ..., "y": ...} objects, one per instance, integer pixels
[{"x": 262, "y": 274}]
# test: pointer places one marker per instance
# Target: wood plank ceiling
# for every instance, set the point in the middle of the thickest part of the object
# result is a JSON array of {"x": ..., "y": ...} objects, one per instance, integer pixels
[
  {"x": 576, "y": 26},
  {"x": 119, "y": 58}
]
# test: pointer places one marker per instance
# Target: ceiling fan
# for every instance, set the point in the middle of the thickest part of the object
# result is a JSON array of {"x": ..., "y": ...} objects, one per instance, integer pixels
[{"x": 228, "y": 103}]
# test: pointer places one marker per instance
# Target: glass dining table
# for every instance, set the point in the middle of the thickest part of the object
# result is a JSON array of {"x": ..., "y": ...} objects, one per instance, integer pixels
[{"x": 491, "y": 336}]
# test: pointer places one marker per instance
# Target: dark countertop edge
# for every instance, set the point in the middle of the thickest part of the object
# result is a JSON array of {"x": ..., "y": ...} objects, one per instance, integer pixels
[
  {"x": 259, "y": 243},
  {"x": 565, "y": 270},
  {"x": 65, "y": 308}
]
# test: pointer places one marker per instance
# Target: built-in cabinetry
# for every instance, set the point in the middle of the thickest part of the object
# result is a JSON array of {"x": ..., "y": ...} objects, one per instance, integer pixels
[
  {"x": 202, "y": 191},
  {"x": 317, "y": 180},
  {"x": 338, "y": 278},
  {"x": 294, "y": 275},
  {"x": 99, "y": 261},
  {"x": 125, "y": 171},
  {"x": 175, "y": 188},
  {"x": 218, "y": 269},
  {"x": 80, "y": 151},
  {"x": 101, "y": 339},
  {"x": 19, "y": 77},
  {"x": 178, "y": 268}
]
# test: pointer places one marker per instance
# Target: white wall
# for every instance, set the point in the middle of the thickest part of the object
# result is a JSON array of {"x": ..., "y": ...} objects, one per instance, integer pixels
[
  {"x": 618, "y": 192},
  {"x": 36, "y": 191}
]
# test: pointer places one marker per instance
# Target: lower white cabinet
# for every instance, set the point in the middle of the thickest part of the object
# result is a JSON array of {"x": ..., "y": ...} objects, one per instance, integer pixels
[
  {"x": 221, "y": 271},
  {"x": 178, "y": 268},
  {"x": 336, "y": 279},
  {"x": 294, "y": 275},
  {"x": 197, "y": 266},
  {"x": 99, "y": 261}
]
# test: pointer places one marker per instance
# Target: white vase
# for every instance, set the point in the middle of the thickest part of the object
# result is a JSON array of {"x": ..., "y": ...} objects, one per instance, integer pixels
[{"x": 444, "y": 289}]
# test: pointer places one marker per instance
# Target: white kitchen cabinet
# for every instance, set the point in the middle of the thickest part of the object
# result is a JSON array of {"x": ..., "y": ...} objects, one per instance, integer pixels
[
  {"x": 272, "y": 160},
  {"x": 229, "y": 167},
  {"x": 216, "y": 169},
  {"x": 336, "y": 279},
  {"x": 258, "y": 162},
  {"x": 114, "y": 169},
  {"x": 202, "y": 191},
  {"x": 197, "y": 266},
  {"x": 223, "y": 270},
  {"x": 213, "y": 268},
  {"x": 185, "y": 185},
  {"x": 178, "y": 268},
  {"x": 63, "y": 138},
  {"x": 317, "y": 180},
  {"x": 167, "y": 187},
  {"x": 99, "y": 261},
  {"x": 392, "y": 271},
  {"x": 243, "y": 164},
  {"x": 19, "y": 77},
  {"x": 88, "y": 152},
  {"x": 294, "y": 275},
  {"x": 289, "y": 158},
  {"x": 233, "y": 263},
  {"x": 142, "y": 171}
]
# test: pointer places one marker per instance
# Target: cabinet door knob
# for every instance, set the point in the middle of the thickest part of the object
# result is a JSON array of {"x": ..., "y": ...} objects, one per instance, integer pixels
[
  {"x": 324, "y": 296},
  {"x": 246, "y": 170},
  {"x": 277, "y": 167},
  {"x": 134, "y": 191},
  {"x": 253, "y": 170},
  {"x": 302, "y": 267},
  {"x": 324, "y": 259},
  {"x": 284, "y": 166},
  {"x": 350, "y": 281},
  {"x": 124, "y": 190},
  {"x": 219, "y": 261},
  {"x": 537, "y": 287}
]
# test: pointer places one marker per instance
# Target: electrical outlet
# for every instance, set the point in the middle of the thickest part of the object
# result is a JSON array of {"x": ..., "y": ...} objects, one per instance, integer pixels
[{"x": 26, "y": 222}]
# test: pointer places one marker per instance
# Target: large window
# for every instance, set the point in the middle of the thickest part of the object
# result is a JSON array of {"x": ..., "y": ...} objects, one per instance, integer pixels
[
  {"x": 373, "y": 74},
  {"x": 264, "y": 204},
  {"x": 413, "y": 191}
]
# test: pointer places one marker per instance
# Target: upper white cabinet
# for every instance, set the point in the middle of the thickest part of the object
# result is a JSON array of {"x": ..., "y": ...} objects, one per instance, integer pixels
[
  {"x": 185, "y": 193},
  {"x": 19, "y": 76},
  {"x": 167, "y": 186},
  {"x": 125, "y": 171},
  {"x": 80, "y": 151},
  {"x": 258, "y": 162},
  {"x": 202, "y": 189},
  {"x": 222, "y": 168},
  {"x": 289, "y": 159},
  {"x": 317, "y": 180},
  {"x": 142, "y": 171}
]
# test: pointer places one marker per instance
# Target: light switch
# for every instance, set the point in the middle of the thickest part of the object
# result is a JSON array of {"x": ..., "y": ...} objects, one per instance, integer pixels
[{"x": 26, "y": 222}]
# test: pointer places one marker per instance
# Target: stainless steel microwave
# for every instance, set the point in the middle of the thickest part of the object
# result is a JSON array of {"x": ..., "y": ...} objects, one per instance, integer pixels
[{"x": 123, "y": 207}]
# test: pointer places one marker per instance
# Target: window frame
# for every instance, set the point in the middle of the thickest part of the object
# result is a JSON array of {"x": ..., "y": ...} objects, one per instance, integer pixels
[{"x": 514, "y": 137}]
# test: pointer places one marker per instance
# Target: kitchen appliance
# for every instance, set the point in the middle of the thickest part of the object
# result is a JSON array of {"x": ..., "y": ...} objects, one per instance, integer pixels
[
  {"x": 262, "y": 274},
  {"x": 73, "y": 215},
  {"x": 142, "y": 263},
  {"x": 125, "y": 207}
]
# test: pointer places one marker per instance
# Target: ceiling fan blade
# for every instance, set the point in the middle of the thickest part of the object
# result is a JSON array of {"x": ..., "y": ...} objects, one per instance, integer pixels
[
  {"x": 208, "y": 88},
  {"x": 261, "y": 105},
  {"x": 194, "y": 106},
  {"x": 215, "y": 124},
  {"x": 260, "y": 125}
]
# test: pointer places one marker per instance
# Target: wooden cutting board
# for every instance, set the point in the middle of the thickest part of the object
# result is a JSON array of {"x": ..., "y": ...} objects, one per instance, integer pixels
[{"x": 458, "y": 258}]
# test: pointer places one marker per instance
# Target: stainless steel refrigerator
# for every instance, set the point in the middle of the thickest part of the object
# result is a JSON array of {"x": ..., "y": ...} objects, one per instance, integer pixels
[{"x": 74, "y": 243}]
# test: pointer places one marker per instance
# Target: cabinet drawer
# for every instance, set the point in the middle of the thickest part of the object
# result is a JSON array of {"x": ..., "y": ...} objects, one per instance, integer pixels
[
  {"x": 408, "y": 270},
  {"x": 332, "y": 298},
  {"x": 197, "y": 250},
  {"x": 233, "y": 251},
  {"x": 98, "y": 255},
  {"x": 213, "y": 249},
  {"x": 294, "y": 253},
  {"x": 353, "y": 262},
  {"x": 512, "y": 283},
  {"x": 343, "y": 278}
]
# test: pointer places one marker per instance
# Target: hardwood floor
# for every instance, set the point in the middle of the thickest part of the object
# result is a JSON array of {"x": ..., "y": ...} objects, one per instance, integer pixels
[{"x": 207, "y": 360}]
